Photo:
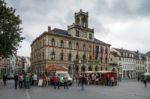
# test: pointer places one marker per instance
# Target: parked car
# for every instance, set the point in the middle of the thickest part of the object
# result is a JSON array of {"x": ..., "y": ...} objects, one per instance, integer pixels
[
  {"x": 10, "y": 76},
  {"x": 63, "y": 74}
]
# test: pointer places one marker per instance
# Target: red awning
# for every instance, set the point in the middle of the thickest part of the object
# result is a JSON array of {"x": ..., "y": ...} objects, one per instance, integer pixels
[{"x": 55, "y": 67}]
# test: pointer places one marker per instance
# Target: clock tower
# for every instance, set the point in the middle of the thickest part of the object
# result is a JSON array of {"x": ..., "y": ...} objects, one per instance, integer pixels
[{"x": 80, "y": 28}]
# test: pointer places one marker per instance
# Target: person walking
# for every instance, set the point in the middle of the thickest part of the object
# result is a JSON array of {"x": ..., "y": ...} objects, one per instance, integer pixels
[
  {"x": 27, "y": 81},
  {"x": 65, "y": 82},
  {"x": 59, "y": 81},
  {"x": 145, "y": 81},
  {"x": 83, "y": 82},
  {"x": 35, "y": 79},
  {"x": 79, "y": 80},
  {"x": 5, "y": 79},
  {"x": 20, "y": 80},
  {"x": 16, "y": 80},
  {"x": 54, "y": 79},
  {"x": 112, "y": 81}
]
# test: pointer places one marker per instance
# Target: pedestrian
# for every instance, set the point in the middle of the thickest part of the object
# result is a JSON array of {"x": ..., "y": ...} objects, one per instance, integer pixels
[
  {"x": 145, "y": 81},
  {"x": 112, "y": 81},
  {"x": 27, "y": 81},
  {"x": 59, "y": 81},
  {"x": 83, "y": 82},
  {"x": 5, "y": 79},
  {"x": 16, "y": 80},
  {"x": 54, "y": 79},
  {"x": 107, "y": 80},
  {"x": 138, "y": 78},
  {"x": 20, "y": 80},
  {"x": 35, "y": 79},
  {"x": 79, "y": 80},
  {"x": 65, "y": 79}
]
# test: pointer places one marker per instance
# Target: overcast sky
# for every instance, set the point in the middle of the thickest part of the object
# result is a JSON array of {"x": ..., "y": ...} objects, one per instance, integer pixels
[{"x": 121, "y": 23}]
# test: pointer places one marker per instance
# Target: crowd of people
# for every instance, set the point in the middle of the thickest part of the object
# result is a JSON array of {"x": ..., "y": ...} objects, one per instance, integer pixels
[
  {"x": 26, "y": 80},
  {"x": 56, "y": 80},
  {"x": 96, "y": 79},
  {"x": 22, "y": 80}
]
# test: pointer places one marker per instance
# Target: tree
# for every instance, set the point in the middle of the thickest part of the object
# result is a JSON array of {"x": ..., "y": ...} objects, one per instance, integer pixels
[{"x": 10, "y": 31}]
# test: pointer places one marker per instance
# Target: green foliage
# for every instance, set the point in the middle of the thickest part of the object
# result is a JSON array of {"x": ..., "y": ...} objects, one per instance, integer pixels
[{"x": 10, "y": 31}]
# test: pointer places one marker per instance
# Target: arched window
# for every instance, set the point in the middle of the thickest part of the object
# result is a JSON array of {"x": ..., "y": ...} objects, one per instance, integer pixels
[
  {"x": 114, "y": 70},
  {"x": 77, "y": 57},
  {"x": 83, "y": 68},
  {"x": 61, "y": 43},
  {"x": 96, "y": 68},
  {"x": 84, "y": 57},
  {"x": 69, "y": 57},
  {"x": 90, "y": 58},
  {"x": 77, "y": 69},
  {"x": 106, "y": 68},
  {"x": 61, "y": 56},
  {"x": 53, "y": 42},
  {"x": 77, "y": 45},
  {"x": 70, "y": 44},
  {"x": 90, "y": 68},
  {"x": 52, "y": 55},
  {"x": 89, "y": 47},
  {"x": 84, "y": 47}
]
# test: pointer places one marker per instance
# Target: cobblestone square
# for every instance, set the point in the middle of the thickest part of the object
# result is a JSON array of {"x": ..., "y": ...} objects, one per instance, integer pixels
[{"x": 129, "y": 89}]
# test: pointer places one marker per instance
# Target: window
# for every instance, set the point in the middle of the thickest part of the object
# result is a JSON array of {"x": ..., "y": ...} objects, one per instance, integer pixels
[
  {"x": 84, "y": 57},
  {"x": 96, "y": 68},
  {"x": 53, "y": 42},
  {"x": 106, "y": 60},
  {"x": 77, "y": 57},
  {"x": 111, "y": 59},
  {"x": 69, "y": 57},
  {"x": 90, "y": 36},
  {"x": 106, "y": 51},
  {"x": 77, "y": 46},
  {"x": 61, "y": 43},
  {"x": 90, "y": 58},
  {"x": 70, "y": 45},
  {"x": 84, "y": 47},
  {"x": 53, "y": 55},
  {"x": 90, "y": 47},
  {"x": 97, "y": 52},
  {"x": 61, "y": 56},
  {"x": 83, "y": 68},
  {"x": 77, "y": 33},
  {"x": 90, "y": 68}
]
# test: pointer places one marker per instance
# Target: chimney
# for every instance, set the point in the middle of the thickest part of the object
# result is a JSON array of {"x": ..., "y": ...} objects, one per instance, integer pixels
[{"x": 49, "y": 29}]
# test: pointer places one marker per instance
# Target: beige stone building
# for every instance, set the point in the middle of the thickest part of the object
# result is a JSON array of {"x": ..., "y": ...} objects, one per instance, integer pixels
[{"x": 75, "y": 48}]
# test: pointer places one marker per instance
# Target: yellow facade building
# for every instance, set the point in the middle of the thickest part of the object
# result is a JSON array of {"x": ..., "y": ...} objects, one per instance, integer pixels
[{"x": 75, "y": 49}]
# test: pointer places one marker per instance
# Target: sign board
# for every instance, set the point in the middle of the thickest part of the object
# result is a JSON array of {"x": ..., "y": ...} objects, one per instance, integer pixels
[{"x": 40, "y": 83}]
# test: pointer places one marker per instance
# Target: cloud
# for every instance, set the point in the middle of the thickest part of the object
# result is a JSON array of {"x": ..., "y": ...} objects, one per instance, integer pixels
[
  {"x": 122, "y": 23},
  {"x": 123, "y": 8}
]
